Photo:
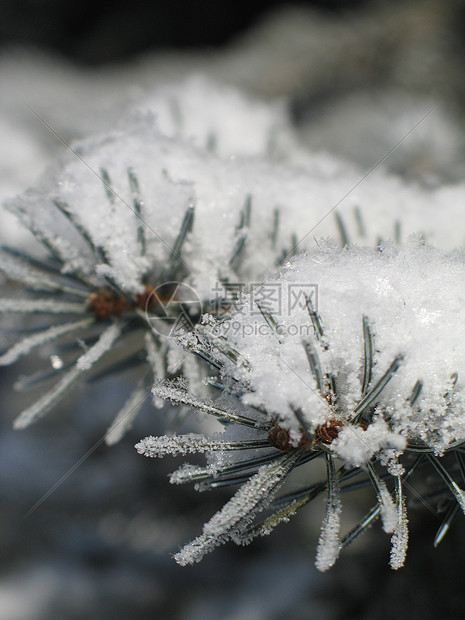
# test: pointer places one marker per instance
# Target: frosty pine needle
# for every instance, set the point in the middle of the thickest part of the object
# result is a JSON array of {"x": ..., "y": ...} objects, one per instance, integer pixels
[
  {"x": 107, "y": 313},
  {"x": 373, "y": 387}
]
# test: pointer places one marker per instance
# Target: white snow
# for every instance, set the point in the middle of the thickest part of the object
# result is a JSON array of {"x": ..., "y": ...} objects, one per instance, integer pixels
[
  {"x": 413, "y": 299},
  {"x": 357, "y": 445},
  {"x": 173, "y": 174},
  {"x": 219, "y": 118}
]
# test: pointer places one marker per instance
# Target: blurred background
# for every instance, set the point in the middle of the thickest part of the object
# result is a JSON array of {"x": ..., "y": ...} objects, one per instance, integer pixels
[
  {"x": 353, "y": 78},
  {"x": 99, "y": 32}
]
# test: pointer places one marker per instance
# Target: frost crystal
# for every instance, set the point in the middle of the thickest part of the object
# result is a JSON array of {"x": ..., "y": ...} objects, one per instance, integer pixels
[
  {"x": 105, "y": 342},
  {"x": 329, "y": 543},
  {"x": 239, "y": 511},
  {"x": 161, "y": 446},
  {"x": 399, "y": 539}
]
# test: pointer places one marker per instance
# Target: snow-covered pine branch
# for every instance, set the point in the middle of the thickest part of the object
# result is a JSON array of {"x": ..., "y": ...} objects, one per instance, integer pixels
[
  {"x": 357, "y": 362},
  {"x": 130, "y": 213}
]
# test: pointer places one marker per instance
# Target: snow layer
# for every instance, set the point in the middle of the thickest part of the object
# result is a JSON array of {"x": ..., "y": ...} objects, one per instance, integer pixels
[
  {"x": 287, "y": 204},
  {"x": 220, "y": 118},
  {"x": 413, "y": 298}
]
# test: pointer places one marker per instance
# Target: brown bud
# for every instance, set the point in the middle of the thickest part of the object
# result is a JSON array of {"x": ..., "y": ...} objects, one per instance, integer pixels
[{"x": 104, "y": 303}]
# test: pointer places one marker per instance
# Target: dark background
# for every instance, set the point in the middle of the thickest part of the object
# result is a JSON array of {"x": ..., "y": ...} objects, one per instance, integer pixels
[{"x": 100, "y": 31}]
